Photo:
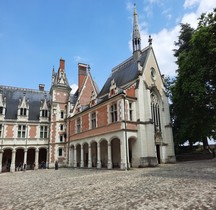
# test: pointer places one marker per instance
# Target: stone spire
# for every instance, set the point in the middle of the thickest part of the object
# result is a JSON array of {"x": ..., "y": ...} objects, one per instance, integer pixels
[{"x": 136, "y": 41}]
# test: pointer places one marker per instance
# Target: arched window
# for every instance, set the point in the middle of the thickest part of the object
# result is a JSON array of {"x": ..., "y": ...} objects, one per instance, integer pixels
[{"x": 155, "y": 110}]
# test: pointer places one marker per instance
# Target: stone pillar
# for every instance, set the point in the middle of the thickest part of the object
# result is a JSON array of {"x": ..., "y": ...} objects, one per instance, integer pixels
[
  {"x": 12, "y": 166},
  {"x": 36, "y": 158},
  {"x": 109, "y": 166},
  {"x": 75, "y": 157},
  {"x": 89, "y": 157},
  {"x": 98, "y": 156},
  {"x": 25, "y": 157},
  {"x": 81, "y": 159},
  {"x": 1, "y": 156}
]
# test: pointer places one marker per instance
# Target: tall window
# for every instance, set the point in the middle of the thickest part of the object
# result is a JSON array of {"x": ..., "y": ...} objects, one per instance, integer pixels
[
  {"x": 21, "y": 131},
  {"x": 61, "y": 138},
  {"x": 60, "y": 152},
  {"x": 1, "y": 130},
  {"x": 61, "y": 127},
  {"x": 130, "y": 111},
  {"x": 113, "y": 112},
  {"x": 78, "y": 125},
  {"x": 43, "y": 132},
  {"x": 1, "y": 110},
  {"x": 23, "y": 111},
  {"x": 155, "y": 110},
  {"x": 44, "y": 113},
  {"x": 62, "y": 114},
  {"x": 93, "y": 120}
]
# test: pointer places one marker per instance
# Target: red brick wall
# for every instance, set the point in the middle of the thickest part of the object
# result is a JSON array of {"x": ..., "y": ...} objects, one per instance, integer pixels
[
  {"x": 86, "y": 94},
  {"x": 131, "y": 91},
  {"x": 102, "y": 116},
  {"x": 32, "y": 131},
  {"x": 9, "y": 131},
  {"x": 85, "y": 122}
]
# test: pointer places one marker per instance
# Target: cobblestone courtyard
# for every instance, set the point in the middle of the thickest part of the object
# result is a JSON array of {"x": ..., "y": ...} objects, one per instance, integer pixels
[{"x": 188, "y": 185}]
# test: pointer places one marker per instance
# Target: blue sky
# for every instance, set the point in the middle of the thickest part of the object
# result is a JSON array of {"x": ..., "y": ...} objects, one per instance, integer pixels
[{"x": 35, "y": 34}]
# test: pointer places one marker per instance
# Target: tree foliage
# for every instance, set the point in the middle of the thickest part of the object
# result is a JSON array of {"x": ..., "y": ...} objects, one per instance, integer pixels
[{"x": 194, "y": 90}]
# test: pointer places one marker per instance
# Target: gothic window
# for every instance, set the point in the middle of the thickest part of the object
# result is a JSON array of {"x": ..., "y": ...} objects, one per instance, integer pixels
[
  {"x": 155, "y": 110},
  {"x": 1, "y": 130},
  {"x": 43, "y": 131},
  {"x": 113, "y": 112},
  {"x": 23, "y": 111},
  {"x": 93, "y": 120},
  {"x": 21, "y": 131},
  {"x": 78, "y": 122}
]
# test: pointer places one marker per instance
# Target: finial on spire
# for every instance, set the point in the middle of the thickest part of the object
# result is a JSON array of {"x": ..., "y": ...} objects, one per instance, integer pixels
[
  {"x": 136, "y": 40},
  {"x": 150, "y": 40}
]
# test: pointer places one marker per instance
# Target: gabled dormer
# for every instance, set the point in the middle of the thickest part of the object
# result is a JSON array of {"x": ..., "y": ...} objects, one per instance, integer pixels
[
  {"x": 93, "y": 100},
  {"x": 23, "y": 108},
  {"x": 44, "y": 109},
  {"x": 113, "y": 89},
  {"x": 2, "y": 104}
]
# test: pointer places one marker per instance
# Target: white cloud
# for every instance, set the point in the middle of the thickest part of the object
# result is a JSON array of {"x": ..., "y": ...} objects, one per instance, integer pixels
[
  {"x": 74, "y": 88},
  {"x": 190, "y": 3},
  {"x": 78, "y": 59},
  {"x": 163, "y": 41}
]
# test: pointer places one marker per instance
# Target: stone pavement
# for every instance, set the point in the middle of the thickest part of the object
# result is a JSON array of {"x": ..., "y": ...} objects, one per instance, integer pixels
[{"x": 188, "y": 185}]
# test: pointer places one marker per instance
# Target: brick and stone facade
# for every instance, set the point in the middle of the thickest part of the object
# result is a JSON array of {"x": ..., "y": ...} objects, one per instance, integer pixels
[{"x": 125, "y": 124}]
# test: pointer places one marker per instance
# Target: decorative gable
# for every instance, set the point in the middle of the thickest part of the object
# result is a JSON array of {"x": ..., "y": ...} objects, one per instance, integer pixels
[
  {"x": 23, "y": 107},
  {"x": 113, "y": 89},
  {"x": 44, "y": 109},
  {"x": 93, "y": 99}
]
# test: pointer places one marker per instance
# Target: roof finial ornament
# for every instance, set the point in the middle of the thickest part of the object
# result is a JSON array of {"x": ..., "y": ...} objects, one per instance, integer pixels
[{"x": 150, "y": 40}]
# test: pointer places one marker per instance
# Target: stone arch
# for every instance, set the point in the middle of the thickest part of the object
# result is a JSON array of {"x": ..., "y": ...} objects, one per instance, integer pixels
[
  {"x": 131, "y": 148},
  {"x": 85, "y": 154},
  {"x": 19, "y": 159},
  {"x": 104, "y": 152},
  {"x": 116, "y": 152},
  {"x": 42, "y": 155},
  {"x": 6, "y": 160},
  {"x": 30, "y": 157},
  {"x": 94, "y": 154}
]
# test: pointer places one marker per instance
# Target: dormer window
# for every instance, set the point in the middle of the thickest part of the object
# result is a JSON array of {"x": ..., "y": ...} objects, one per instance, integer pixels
[
  {"x": 113, "y": 89},
  {"x": 44, "y": 113},
  {"x": 23, "y": 107},
  {"x": 23, "y": 111}
]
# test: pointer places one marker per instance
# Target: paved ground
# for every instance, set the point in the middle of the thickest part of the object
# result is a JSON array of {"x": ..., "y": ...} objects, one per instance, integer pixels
[{"x": 188, "y": 185}]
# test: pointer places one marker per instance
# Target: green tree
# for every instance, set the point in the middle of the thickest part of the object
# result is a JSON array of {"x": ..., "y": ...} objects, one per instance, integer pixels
[{"x": 194, "y": 91}]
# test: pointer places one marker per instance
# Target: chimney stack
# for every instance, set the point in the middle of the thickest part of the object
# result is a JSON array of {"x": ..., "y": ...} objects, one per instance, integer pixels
[
  {"x": 41, "y": 87},
  {"x": 82, "y": 72}
]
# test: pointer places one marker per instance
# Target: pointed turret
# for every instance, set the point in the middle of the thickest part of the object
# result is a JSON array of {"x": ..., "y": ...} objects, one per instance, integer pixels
[{"x": 136, "y": 41}]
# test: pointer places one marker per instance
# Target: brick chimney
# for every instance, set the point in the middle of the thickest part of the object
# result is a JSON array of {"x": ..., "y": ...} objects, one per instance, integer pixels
[
  {"x": 62, "y": 64},
  {"x": 41, "y": 87},
  {"x": 82, "y": 72}
]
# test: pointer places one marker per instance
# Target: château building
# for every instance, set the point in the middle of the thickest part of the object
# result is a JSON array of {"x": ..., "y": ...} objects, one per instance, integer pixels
[{"x": 125, "y": 124}]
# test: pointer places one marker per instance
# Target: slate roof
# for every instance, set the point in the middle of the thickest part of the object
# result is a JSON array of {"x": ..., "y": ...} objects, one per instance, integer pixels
[
  {"x": 124, "y": 73},
  {"x": 13, "y": 94}
]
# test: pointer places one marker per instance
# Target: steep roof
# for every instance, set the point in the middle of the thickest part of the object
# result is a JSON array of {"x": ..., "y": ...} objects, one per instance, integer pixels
[
  {"x": 125, "y": 72},
  {"x": 13, "y": 94}
]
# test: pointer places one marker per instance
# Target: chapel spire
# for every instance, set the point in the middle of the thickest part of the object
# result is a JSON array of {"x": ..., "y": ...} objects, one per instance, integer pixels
[{"x": 136, "y": 41}]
